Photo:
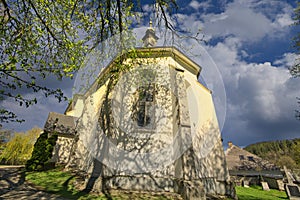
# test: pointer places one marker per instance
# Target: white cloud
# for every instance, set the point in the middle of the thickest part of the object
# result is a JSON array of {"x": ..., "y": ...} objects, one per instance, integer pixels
[
  {"x": 238, "y": 21},
  {"x": 196, "y": 5},
  {"x": 287, "y": 60},
  {"x": 148, "y": 8},
  {"x": 224, "y": 54},
  {"x": 248, "y": 22},
  {"x": 283, "y": 20},
  {"x": 261, "y": 98}
]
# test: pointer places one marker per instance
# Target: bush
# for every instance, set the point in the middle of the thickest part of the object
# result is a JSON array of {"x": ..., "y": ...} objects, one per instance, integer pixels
[{"x": 42, "y": 153}]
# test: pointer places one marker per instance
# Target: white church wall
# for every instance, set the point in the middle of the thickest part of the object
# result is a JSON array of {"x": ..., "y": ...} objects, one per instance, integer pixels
[
  {"x": 77, "y": 108},
  {"x": 198, "y": 119}
]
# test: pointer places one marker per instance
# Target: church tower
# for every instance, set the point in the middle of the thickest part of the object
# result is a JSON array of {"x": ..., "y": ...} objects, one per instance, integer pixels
[{"x": 150, "y": 39}]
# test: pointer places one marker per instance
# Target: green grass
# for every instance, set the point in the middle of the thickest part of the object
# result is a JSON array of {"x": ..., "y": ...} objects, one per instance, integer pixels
[
  {"x": 53, "y": 181},
  {"x": 257, "y": 193},
  {"x": 60, "y": 183}
]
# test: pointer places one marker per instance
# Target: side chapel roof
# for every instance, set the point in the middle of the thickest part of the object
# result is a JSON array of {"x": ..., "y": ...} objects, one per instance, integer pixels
[
  {"x": 61, "y": 124},
  {"x": 240, "y": 159}
]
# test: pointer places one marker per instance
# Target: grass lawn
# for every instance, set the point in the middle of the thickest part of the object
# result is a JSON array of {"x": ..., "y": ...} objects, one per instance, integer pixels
[
  {"x": 53, "y": 181},
  {"x": 256, "y": 193},
  {"x": 60, "y": 183}
]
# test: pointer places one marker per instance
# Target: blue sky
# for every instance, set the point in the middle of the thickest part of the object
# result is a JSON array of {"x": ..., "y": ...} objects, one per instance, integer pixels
[{"x": 249, "y": 41}]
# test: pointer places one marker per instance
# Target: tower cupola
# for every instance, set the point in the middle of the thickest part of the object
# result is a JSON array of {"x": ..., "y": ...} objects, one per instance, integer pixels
[{"x": 150, "y": 38}]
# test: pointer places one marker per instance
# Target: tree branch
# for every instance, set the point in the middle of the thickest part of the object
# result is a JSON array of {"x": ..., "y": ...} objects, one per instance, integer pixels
[
  {"x": 120, "y": 16},
  {"x": 44, "y": 23}
]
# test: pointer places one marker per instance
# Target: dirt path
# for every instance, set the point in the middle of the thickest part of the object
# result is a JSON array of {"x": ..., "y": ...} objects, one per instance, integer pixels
[{"x": 14, "y": 186}]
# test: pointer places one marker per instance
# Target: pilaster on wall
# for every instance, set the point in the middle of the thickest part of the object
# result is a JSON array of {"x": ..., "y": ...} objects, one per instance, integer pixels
[{"x": 188, "y": 185}]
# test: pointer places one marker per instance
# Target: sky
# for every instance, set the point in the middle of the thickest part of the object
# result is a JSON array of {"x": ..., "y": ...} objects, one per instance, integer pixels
[{"x": 245, "y": 62}]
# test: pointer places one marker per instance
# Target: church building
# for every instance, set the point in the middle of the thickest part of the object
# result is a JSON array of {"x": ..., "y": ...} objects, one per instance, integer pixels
[{"x": 145, "y": 124}]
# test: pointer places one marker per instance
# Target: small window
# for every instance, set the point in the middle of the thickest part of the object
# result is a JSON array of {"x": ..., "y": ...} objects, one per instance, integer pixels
[
  {"x": 143, "y": 118},
  {"x": 250, "y": 158},
  {"x": 242, "y": 157},
  {"x": 143, "y": 113}
]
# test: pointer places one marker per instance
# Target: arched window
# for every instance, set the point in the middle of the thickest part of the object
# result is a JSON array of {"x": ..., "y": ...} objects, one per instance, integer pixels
[{"x": 144, "y": 108}]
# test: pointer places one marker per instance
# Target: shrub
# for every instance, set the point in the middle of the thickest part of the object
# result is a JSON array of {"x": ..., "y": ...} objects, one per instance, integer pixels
[{"x": 42, "y": 153}]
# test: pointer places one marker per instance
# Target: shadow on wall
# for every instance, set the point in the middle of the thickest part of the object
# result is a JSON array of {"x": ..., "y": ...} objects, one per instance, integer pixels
[{"x": 202, "y": 165}]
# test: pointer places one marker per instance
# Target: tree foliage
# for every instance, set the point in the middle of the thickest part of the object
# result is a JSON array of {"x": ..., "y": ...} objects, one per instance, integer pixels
[
  {"x": 278, "y": 152},
  {"x": 18, "y": 150},
  {"x": 5, "y": 136},
  {"x": 42, "y": 38},
  {"x": 286, "y": 161}
]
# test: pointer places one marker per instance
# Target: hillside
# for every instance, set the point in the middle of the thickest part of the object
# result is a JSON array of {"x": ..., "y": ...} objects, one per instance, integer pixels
[{"x": 283, "y": 152}]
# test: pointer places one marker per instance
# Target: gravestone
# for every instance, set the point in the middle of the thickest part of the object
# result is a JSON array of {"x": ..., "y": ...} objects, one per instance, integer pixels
[
  {"x": 245, "y": 183},
  {"x": 280, "y": 185},
  {"x": 265, "y": 186},
  {"x": 292, "y": 191},
  {"x": 287, "y": 175}
]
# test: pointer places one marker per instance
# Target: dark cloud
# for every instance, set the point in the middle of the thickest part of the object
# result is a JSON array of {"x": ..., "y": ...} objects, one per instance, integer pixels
[
  {"x": 260, "y": 104},
  {"x": 35, "y": 115}
]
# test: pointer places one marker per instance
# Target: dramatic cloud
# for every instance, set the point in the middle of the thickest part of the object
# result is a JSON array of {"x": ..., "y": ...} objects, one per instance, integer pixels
[
  {"x": 247, "y": 21},
  {"x": 261, "y": 98}
]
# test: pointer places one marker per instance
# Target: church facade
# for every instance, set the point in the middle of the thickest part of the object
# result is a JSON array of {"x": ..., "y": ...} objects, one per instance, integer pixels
[{"x": 146, "y": 124}]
